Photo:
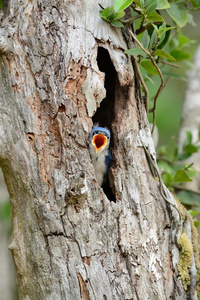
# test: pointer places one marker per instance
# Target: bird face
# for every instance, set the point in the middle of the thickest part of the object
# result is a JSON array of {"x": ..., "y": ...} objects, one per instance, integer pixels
[
  {"x": 100, "y": 138},
  {"x": 98, "y": 144},
  {"x": 99, "y": 141}
]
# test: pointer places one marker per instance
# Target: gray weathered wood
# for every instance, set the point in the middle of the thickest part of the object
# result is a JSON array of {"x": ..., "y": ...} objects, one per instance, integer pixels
[{"x": 69, "y": 241}]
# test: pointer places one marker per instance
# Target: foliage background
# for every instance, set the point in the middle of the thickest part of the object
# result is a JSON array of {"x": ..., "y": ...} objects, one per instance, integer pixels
[
  {"x": 170, "y": 102},
  {"x": 169, "y": 109}
]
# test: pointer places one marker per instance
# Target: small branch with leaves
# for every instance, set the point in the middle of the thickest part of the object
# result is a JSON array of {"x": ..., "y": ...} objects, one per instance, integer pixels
[
  {"x": 159, "y": 72},
  {"x": 149, "y": 57}
]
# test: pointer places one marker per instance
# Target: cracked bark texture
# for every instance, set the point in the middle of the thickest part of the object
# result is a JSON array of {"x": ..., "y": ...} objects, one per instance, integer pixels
[{"x": 69, "y": 241}]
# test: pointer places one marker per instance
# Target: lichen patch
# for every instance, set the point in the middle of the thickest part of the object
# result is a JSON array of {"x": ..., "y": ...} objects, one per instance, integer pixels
[{"x": 185, "y": 261}]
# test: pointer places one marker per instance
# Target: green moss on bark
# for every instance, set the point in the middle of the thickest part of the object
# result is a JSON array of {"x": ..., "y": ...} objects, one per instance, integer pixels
[{"x": 185, "y": 261}]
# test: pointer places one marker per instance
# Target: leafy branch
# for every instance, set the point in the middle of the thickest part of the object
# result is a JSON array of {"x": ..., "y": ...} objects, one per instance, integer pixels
[
  {"x": 152, "y": 35},
  {"x": 175, "y": 172},
  {"x": 159, "y": 72},
  {"x": 160, "y": 46}
]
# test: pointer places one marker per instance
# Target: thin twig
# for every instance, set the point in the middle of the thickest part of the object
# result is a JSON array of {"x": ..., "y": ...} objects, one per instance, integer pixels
[
  {"x": 148, "y": 53},
  {"x": 142, "y": 29},
  {"x": 159, "y": 72},
  {"x": 146, "y": 92},
  {"x": 190, "y": 165},
  {"x": 170, "y": 64},
  {"x": 155, "y": 103},
  {"x": 101, "y": 6},
  {"x": 130, "y": 19},
  {"x": 165, "y": 159}
]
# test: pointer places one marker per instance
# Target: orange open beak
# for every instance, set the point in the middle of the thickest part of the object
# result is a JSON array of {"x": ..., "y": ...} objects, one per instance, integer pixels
[{"x": 99, "y": 141}]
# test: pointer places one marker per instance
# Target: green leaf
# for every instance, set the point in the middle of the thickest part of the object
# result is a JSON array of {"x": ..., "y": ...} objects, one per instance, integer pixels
[
  {"x": 140, "y": 3},
  {"x": 180, "y": 54},
  {"x": 119, "y": 15},
  {"x": 191, "y": 171},
  {"x": 139, "y": 9},
  {"x": 145, "y": 39},
  {"x": 167, "y": 178},
  {"x": 196, "y": 223},
  {"x": 163, "y": 4},
  {"x": 145, "y": 76},
  {"x": 120, "y": 5},
  {"x": 135, "y": 51},
  {"x": 188, "y": 138},
  {"x": 111, "y": 14},
  {"x": 154, "y": 17},
  {"x": 117, "y": 24},
  {"x": 104, "y": 13},
  {"x": 151, "y": 5},
  {"x": 194, "y": 3},
  {"x": 163, "y": 150},
  {"x": 178, "y": 14},
  {"x": 181, "y": 176},
  {"x": 155, "y": 27},
  {"x": 164, "y": 54},
  {"x": 193, "y": 212},
  {"x": 182, "y": 39},
  {"x": 164, "y": 39},
  {"x": 190, "y": 149},
  {"x": 183, "y": 156},
  {"x": 153, "y": 39},
  {"x": 149, "y": 67},
  {"x": 161, "y": 30},
  {"x": 1, "y": 4}
]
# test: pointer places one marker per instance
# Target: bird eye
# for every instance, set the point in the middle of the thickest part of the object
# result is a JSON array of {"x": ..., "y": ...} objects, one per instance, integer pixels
[{"x": 107, "y": 135}]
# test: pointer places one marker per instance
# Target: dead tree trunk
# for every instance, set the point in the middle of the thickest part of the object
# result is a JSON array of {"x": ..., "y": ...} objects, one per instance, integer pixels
[{"x": 59, "y": 61}]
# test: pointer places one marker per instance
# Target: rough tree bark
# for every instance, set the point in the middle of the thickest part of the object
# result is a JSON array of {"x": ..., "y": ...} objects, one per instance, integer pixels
[{"x": 58, "y": 62}]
